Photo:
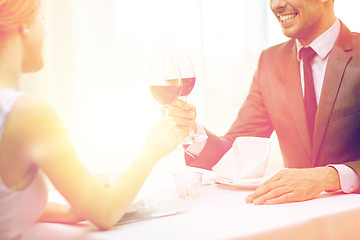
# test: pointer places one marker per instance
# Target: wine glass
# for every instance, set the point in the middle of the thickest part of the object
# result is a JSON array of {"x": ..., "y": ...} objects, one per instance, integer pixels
[
  {"x": 187, "y": 72},
  {"x": 165, "y": 79},
  {"x": 188, "y": 79}
]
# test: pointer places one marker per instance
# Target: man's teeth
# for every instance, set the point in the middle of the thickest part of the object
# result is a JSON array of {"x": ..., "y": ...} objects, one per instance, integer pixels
[{"x": 287, "y": 17}]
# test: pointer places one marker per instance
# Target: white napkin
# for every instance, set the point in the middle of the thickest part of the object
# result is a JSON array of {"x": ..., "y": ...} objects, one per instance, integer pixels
[{"x": 246, "y": 159}]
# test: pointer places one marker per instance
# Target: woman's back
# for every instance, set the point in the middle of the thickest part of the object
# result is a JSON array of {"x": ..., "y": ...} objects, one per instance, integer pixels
[
  {"x": 19, "y": 208},
  {"x": 32, "y": 137}
]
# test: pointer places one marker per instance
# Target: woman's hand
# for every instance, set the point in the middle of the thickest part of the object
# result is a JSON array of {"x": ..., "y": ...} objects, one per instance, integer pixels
[
  {"x": 164, "y": 137},
  {"x": 60, "y": 213},
  {"x": 173, "y": 127}
]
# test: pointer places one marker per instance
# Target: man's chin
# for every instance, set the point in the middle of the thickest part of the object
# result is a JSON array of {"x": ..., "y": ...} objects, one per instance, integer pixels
[{"x": 290, "y": 33}]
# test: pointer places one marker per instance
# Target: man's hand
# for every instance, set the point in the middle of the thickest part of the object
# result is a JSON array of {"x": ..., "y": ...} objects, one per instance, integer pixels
[
  {"x": 293, "y": 185},
  {"x": 183, "y": 113}
]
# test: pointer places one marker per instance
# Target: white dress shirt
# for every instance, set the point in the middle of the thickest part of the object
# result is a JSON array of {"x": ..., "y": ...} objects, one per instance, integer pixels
[{"x": 322, "y": 45}]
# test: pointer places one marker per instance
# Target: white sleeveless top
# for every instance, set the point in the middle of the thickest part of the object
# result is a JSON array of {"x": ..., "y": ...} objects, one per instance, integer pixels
[{"x": 18, "y": 209}]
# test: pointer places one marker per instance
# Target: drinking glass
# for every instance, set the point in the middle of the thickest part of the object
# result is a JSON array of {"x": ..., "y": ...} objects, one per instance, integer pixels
[
  {"x": 188, "y": 184},
  {"x": 165, "y": 79},
  {"x": 188, "y": 79},
  {"x": 187, "y": 72}
]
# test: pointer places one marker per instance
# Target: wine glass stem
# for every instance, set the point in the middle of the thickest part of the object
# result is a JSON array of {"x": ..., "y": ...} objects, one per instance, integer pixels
[
  {"x": 184, "y": 98},
  {"x": 165, "y": 110}
]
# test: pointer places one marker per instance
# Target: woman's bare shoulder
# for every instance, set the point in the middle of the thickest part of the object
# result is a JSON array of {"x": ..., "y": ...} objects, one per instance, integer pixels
[
  {"x": 29, "y": 105},
  {"x": 33, "y": 114}
]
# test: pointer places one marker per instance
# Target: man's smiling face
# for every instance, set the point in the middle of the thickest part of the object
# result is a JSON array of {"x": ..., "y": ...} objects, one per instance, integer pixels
[{"x": 301, "y": 19}]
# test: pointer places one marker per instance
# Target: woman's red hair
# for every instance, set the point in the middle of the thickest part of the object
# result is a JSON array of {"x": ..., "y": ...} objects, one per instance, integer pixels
[{"x": 16, "y": 13}]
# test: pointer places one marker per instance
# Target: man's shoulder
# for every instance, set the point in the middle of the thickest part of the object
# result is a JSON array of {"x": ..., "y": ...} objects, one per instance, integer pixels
[
  {"x": 356, "y": 46},
  {"x": 356, "y": 37},
  {"x": 276, "y": 54},
  {"x": 281, "y": 48}
]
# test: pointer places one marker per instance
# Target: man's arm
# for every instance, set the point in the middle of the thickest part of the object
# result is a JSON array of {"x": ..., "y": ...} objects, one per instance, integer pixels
[
  {"x": 349, "y": 180},
  {"x": 354, "y": 165},
  {"x": 252, "y": 120}
]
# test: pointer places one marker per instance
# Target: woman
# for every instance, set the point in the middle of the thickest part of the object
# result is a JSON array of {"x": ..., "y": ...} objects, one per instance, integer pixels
[{"x": 33, "y": 138}]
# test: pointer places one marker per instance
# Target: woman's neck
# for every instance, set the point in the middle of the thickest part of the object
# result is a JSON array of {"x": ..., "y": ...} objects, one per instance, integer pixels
[
  {"x": 10, "y": 62},
  {"x": 9, "y": 79}
]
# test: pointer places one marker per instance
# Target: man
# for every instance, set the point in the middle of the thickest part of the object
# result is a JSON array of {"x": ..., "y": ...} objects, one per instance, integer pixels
[{"x": 316, "y": 114}]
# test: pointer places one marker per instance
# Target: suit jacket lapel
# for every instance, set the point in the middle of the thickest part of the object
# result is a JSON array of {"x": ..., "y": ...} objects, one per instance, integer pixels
[
  {"x": 295, "y": 96},
  {"x": 339, "y": 57}
]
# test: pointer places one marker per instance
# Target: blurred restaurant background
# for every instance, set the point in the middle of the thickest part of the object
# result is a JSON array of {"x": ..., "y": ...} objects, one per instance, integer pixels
[{"x": 97, "y": 58}]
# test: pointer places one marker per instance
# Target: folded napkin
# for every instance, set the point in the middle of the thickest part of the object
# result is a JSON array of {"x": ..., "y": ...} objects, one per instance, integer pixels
[{"x": 246, "y": 159}]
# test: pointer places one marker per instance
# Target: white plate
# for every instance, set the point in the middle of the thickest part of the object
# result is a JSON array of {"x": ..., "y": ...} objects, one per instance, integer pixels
[{"x": 242, "y": 183}]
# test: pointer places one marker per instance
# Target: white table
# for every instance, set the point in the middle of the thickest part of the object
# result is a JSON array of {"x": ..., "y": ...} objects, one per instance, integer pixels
[{"x": 221, "y": 213}]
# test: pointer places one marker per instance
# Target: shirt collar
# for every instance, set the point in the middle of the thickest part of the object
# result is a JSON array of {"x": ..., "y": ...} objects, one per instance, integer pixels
[{"x": 324, "y": 43}]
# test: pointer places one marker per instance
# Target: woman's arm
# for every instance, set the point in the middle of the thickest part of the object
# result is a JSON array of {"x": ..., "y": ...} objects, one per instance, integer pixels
[
  {"x": 48, "y": 145},
  {"x": 63, "y": 212}
]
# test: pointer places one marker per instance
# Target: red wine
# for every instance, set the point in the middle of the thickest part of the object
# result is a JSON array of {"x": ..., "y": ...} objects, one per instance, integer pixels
[
  {"x": 165, "y": 94},
  {"x": 187, "y": 85}
]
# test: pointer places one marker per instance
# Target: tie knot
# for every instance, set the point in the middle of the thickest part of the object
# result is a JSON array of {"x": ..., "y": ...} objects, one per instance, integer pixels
[{"x": 307, "y": 54}]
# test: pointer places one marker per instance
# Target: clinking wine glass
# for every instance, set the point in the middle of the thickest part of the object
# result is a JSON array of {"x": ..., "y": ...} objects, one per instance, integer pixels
[
  {"x": 187, "y": 72},
  {"x": 188, "y": 79},
  {"x": 165, "y": 79}
]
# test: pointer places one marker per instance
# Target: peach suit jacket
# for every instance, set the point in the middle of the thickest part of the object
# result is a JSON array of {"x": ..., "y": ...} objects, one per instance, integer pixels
[{"x": 275, "y": 103}]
